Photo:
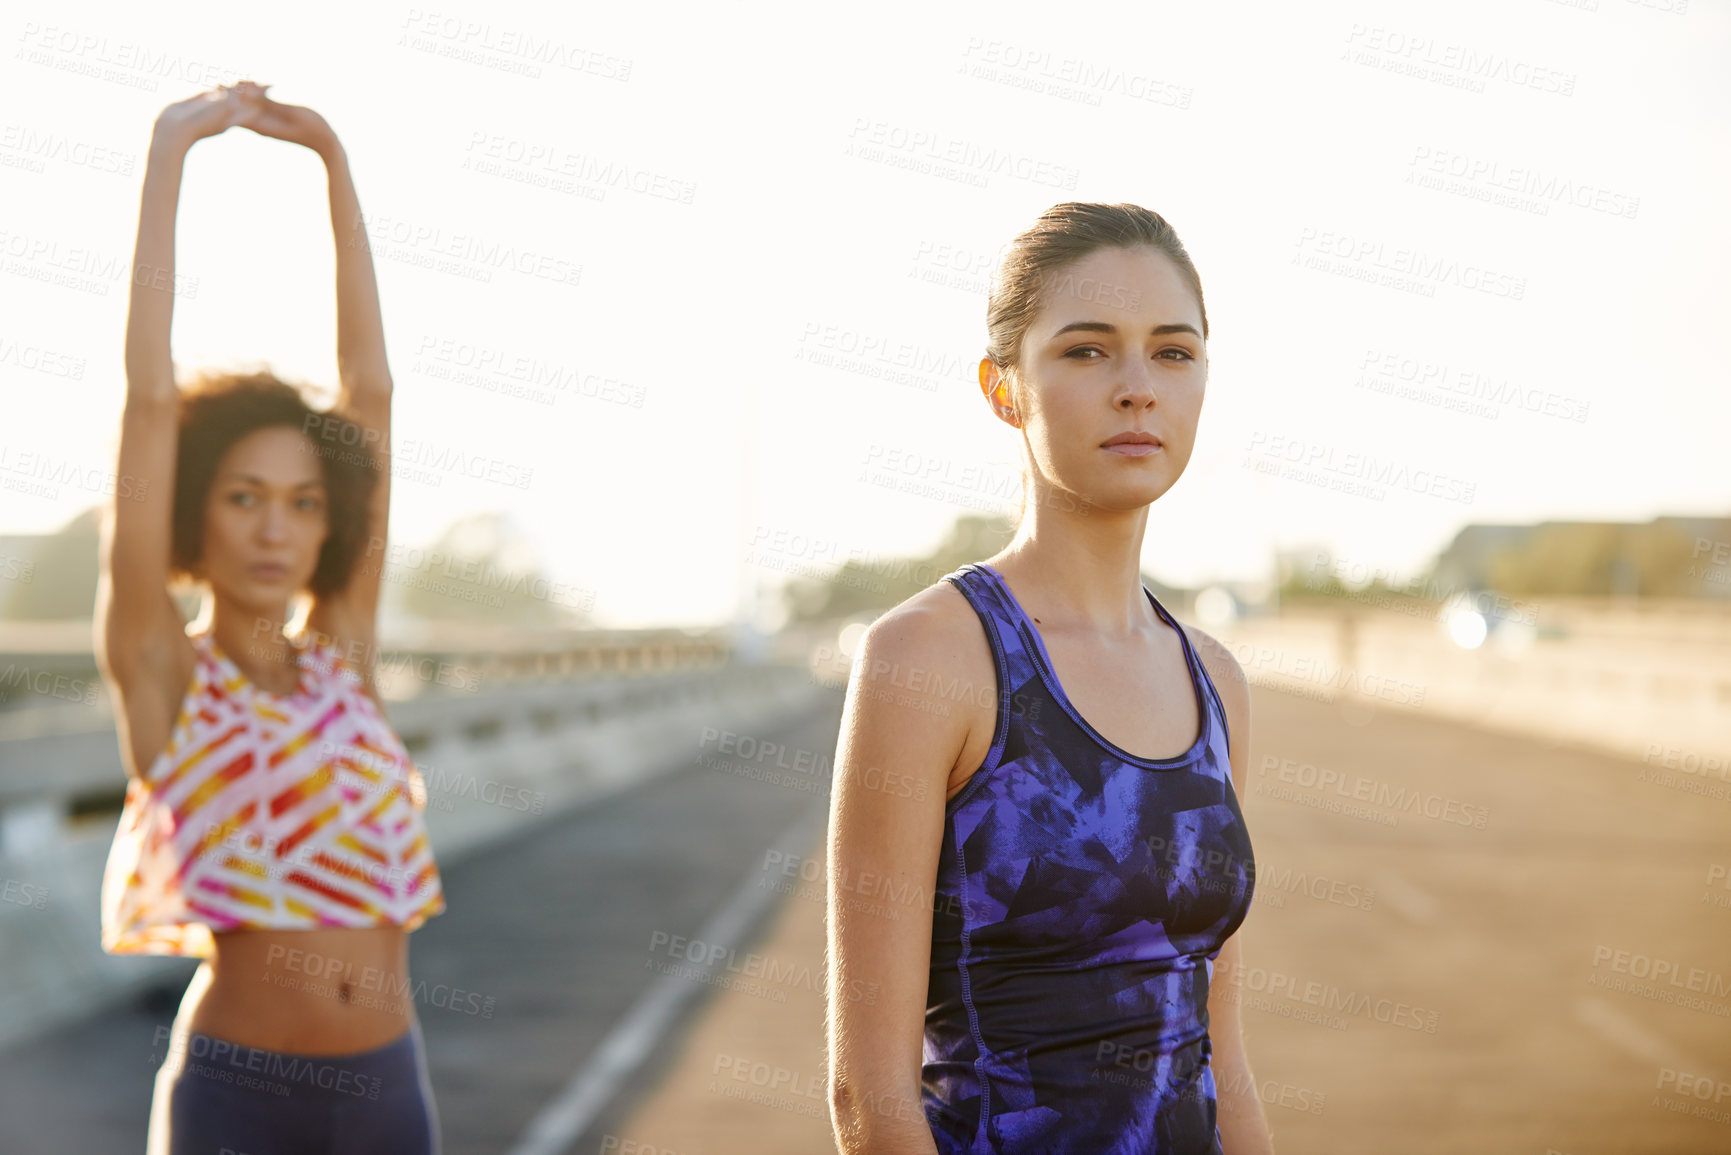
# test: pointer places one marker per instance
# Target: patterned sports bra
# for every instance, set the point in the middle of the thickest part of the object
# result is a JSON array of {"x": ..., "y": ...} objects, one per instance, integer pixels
[{"x": 268, "y": 812}]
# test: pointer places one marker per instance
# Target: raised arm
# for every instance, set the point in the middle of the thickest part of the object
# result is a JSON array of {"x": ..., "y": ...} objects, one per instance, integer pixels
[
  {"x": 886, "y": 822},
  {"x": 351, "y": 614},
  {"x": 136, "y": 619},
  {"x": 349, "y": 617},
  {"x": 366, "y": 395},
  {"x": 361, "y": 365}
]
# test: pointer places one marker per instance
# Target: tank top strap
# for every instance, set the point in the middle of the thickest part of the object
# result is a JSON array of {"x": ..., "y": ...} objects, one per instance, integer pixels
[
  {"x": 1005, "y": 626},
  {"x": 320, "y": 656},
  {"x": 208, "y": 667},
  {"x": 1192, "y": 659},
  {"x": 317, "y": 662}
]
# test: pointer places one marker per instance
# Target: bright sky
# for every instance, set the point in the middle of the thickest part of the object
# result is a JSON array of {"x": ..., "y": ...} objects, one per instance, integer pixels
[{"x": 1469, "y": 257}]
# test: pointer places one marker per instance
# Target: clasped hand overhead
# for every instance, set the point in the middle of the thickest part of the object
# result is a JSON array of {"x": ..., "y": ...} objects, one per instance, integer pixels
[{"x": 248, "y": 105}]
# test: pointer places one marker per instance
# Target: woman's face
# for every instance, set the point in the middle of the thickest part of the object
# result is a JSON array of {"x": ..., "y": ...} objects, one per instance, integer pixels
[
  {"x": 1115, "y": 348},
  {"x": 265, "y": 519}
]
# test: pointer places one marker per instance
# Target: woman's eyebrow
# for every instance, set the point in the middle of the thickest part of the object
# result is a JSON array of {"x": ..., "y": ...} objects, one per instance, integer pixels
[
  {"x": 256, "y": 480},
  {"x": 1108, "y": 327}
]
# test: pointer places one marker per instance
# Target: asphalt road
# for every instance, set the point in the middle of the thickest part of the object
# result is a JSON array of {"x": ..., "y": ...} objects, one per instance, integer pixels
[
  {"x": 1553, "y": 980},
  {"x": 1415, "y": 982}
]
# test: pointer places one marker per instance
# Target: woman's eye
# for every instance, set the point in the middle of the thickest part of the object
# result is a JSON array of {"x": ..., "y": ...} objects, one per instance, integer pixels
[
  {"x": 240, "y": 498},
  {"x": 1079, "y": 353}
]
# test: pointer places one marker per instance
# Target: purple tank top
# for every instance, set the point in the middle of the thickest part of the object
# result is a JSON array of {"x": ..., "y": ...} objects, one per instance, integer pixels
[{"x": 1082, "y": 895}]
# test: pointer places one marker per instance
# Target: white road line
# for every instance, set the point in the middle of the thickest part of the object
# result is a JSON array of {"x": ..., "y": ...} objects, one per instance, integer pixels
[
  {"x": 1394, "y": 890},
  {"x": 1617, "y": 1028},
  {"x": 563, "y": 1120}
]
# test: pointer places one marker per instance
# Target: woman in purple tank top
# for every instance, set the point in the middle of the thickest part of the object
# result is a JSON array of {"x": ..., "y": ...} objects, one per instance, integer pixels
[{"x": 1038, "y": 860}]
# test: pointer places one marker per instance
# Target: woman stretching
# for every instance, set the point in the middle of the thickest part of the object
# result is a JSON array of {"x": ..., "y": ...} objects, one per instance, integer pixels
[
  {"x": 1037, "y": 856},
  {"x": 273, "y": 823}
]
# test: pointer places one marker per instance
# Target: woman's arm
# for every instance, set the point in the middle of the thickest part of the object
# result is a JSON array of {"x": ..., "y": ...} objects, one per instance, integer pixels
[
  {"x": 366, "y": 384},
  {"x": 1243, "y": 1126},
  {"x": 348, "y": 617},
  {"x": 877, "y": 946},
  {"x": 136, "y": 619},
  {"x": 361, "y": 362}
]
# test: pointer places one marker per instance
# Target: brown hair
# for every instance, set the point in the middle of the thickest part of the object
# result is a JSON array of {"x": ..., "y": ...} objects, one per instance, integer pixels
[
  {"x": 1034, "y": 259},
  {"x": 219, "y": 408}
]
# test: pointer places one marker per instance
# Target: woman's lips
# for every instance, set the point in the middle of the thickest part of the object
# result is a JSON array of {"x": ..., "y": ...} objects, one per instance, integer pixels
[
  {"x": 268, "y": 571},
  {"x": 1133, "y": 443}
]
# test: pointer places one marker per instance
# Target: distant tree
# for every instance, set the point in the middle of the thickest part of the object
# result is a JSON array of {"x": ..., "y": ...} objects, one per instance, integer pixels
[
  {"x": 481, "y": 569},
  {"x": 62, "y": 570},
  {"x": 1560, "y": 559},
  {"x": 863, "y": 585},
  {"x": 1663, "y": 557}
]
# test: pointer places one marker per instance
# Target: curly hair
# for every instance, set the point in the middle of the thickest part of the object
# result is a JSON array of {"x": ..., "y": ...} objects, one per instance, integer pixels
[{"x": 219, "y": 408}]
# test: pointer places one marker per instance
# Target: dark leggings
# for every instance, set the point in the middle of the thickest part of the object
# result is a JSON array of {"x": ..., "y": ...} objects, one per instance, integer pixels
[{"x": 216, "y": 1097}]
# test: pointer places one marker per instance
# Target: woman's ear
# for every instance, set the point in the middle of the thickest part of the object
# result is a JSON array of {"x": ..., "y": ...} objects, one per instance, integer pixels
[{"x": 996, "y": 387}]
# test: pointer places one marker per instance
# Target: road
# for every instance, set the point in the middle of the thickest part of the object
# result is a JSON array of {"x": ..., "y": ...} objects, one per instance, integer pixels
[
  {"x": 1414, "y": 981},
  {"x": 556, "y": 928}
]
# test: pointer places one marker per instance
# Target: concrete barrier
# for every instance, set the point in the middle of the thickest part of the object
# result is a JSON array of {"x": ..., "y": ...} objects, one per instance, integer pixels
[
  {"x": 496, "y": 764},
  {"x": 1650, "y": 683}
]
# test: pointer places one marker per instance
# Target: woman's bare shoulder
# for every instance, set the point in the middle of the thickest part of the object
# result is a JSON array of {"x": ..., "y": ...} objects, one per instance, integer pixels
[
  {"x": 925, "y": 669},
  {"x": 935, "y": 628},
  {"x": 1222, "y": 664}
]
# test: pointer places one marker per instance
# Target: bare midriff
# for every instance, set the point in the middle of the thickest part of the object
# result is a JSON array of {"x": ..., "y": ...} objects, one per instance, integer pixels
[{"x": 328, "y": 991}]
